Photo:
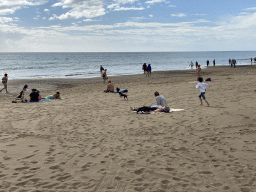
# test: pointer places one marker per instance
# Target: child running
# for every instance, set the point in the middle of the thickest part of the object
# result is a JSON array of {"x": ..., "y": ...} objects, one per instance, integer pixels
[{"x": 202, "y": 86}]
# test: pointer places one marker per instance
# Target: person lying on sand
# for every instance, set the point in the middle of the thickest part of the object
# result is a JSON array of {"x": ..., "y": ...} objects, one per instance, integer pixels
[
  {"x": 152, "y": 109},
  {"x": 55, "y": 96}
]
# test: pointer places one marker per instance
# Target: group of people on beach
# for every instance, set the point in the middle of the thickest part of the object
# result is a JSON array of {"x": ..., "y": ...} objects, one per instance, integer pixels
[
  {"x": 147, "y": 69},
  {"x": 34, "y": 95}
]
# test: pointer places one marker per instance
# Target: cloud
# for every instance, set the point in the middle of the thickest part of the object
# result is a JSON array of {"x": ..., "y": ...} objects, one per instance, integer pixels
[
  {"x": 46, "y": 10},
  {"x": 116, "y": 7},
  {"x": 5, "y": 19},
  {"x": 154, "y": 1},
  {"x": 80, "y": 8},
  {"x": 10, "y": 6},
  {"x": 128, "y": 8},
  {"x": 125, "y": 1},
  {"x": 250, "y": 9},
  {"x": 179, "y": 15},
  {"x": 171, "y": 5},
  {"x": 151, "y": 16},
  {"x": 236, "y": 32}
]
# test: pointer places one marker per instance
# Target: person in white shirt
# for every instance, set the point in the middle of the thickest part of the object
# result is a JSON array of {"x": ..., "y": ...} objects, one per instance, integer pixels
[{"x": 202, "y": 86}]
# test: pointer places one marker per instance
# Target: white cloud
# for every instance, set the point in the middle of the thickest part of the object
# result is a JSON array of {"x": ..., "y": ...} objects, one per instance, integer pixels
[
  {"x": 10, "y": 6},
  {"x": 250, "y": 9},
  {"x": 171, "y": 5},
  {"x": 44, "y": 17},
  {"x": 125, "y": 1},
  {"x": 234, "y": 33},
  {"x": 87, "y": 20},
  {"x": 151, "y": 16},
  {"x": 179, "y": 15},
  {"x": 80, "y": 8},
  {"x": 5, "y": 19},
  {"x": 154, "y": 1},
  {"x": 128, "y": 8},
  {"x": 46, "y": 10}
]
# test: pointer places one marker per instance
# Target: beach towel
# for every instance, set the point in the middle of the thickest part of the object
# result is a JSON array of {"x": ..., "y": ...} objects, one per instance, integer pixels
[
  {"x": 49, "y": 98},
  {"x": 40, "y": 100}
]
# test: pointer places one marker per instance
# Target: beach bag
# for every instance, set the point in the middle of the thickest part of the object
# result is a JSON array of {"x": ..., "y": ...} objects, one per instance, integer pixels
[
  {"x": 208, "y": 79},
  {"x": 3, "y": 81}
]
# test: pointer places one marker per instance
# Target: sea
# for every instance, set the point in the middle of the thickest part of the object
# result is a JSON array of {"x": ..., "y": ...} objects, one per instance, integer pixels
[{"x": 36, "y": 65}]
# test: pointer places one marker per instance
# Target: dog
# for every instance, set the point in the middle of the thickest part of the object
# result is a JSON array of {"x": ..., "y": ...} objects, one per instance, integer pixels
[{"x": 123, "y": 95}]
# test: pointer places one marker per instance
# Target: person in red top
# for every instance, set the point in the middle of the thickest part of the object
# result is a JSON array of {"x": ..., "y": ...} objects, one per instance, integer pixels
[{"x": 110, "y": 87}]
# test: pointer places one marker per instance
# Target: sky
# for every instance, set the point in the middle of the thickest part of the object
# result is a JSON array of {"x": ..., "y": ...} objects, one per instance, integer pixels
[{"x": 127, "y": 25}]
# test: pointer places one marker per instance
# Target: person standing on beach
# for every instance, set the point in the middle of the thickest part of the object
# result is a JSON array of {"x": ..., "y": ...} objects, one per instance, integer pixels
[
  {"x": 196, "y": 64},
  {"x": 149, "y": 70},
  {"x": 229, "y": 61},
  {"x": 4, "y": 81},
  {"x": 199, "y": 70},
  {"x": 202, "y": 86},
  {"x": 207, "y": 63},
  {"x": 213, "y": 62},
  {"x": 104, "y": 75},
  {"x": 101, "y": 69},
  {"x": 192, "y": 65},
  {"x": 144, "y": 68}
]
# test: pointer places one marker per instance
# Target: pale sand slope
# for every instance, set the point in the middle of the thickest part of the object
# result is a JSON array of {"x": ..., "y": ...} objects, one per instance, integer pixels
[{"x": 92, "y": 142}]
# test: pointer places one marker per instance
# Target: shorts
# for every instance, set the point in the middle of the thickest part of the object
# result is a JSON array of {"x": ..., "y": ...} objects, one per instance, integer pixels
[
  {"x": 202, "y": 95},
  {"x": 149, "y": 71}
]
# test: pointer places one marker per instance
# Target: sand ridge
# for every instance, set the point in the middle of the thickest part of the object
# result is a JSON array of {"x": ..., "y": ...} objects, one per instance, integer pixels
[{"x": 91, "y": 141}]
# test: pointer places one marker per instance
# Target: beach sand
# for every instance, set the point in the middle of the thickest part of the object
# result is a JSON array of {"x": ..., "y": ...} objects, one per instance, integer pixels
[{"x": 92, "y": 142}]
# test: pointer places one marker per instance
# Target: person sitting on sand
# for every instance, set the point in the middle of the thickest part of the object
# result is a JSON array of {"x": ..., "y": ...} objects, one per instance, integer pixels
[
  {"x": 55, "y": 96},
  {"x": 34, "y": 96},
  {"x": 39, "y": 97},
  {"x": 4, "y": 81},
  {"x": 110, "y": 87},
  {"x": 160, "y": 100},
  {"x": 161, "y": 105}
]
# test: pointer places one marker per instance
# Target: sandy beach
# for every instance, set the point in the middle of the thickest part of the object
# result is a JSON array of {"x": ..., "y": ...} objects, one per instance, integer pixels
[{"x": 92, "y": 142}]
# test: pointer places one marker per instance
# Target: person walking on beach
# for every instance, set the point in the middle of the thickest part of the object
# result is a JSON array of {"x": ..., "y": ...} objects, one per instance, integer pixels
[
  {"x": 196, "y": 64},
  {"x": 101, "y": 69},
  {"x": 202, "y": 86},
  {"x": 144, "y": 68},
  {"x": 199, "y": 70},
  {"x": 229, "y": 61},
  {"x": 149, "y": 70},
  {"x": 104, "y": 75},
  {"x": 213, "y": 62},
  {"x": 4, "y": 81},
  {"x": 207, "y": 63}
]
